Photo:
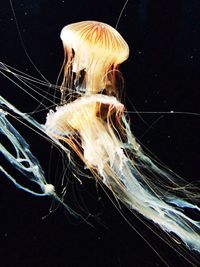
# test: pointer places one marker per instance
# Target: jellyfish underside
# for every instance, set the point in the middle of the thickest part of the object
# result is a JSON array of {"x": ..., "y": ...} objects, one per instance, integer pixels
[{"x": 94, "y": 124}]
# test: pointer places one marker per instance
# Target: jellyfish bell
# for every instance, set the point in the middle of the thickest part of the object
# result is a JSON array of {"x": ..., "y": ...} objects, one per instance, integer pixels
[
  {"x": 88, "y": 115},
  {"x": 76, "y": 114},
  {"x": 96, "y": 48}
]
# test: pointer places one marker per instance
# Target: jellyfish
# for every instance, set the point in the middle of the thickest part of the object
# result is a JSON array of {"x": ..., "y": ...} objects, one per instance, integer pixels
[
  {"x": 103, "y": 49},
  {"x": 92, "y": 121}
]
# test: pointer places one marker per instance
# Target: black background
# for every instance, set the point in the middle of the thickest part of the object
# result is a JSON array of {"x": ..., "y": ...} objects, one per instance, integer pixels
[{"x": 162, "y": 74}]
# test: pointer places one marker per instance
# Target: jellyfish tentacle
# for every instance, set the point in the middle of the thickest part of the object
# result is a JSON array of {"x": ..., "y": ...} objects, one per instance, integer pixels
[{"x": 24, "y": 160}]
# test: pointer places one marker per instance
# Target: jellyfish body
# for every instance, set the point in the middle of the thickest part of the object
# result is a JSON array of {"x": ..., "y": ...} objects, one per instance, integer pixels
[
  {"x": 110, "y": 150},
  {"x": 94, "y": 124},
  {"x": 107, "y": 157},
  {"x": 96, "y": 48}
]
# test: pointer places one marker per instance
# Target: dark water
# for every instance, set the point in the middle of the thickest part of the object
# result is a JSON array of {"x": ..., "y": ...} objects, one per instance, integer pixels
[{"x": 162, "y": 74}]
